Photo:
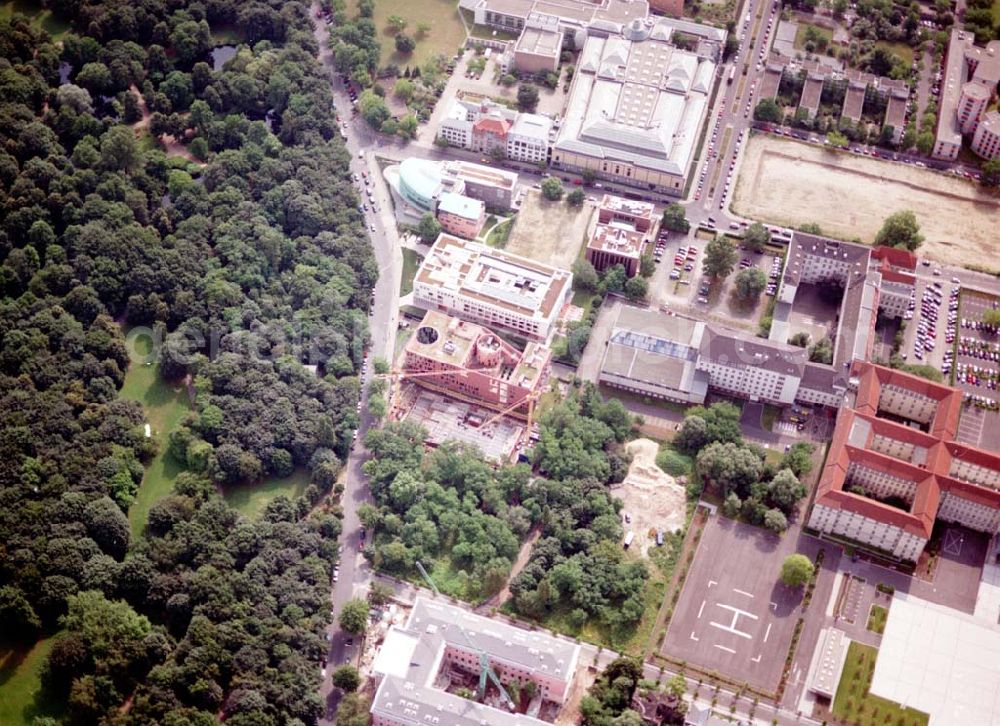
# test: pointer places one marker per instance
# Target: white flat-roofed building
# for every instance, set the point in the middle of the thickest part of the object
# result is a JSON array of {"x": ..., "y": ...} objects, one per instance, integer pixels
[
  {"x": 636, "y": 108},
  {"x": 940, "y": 661},
  {"x": 438, "y": 636},
  {"x": 492, "y": 287},
  {"x": 528, "y": 139}
]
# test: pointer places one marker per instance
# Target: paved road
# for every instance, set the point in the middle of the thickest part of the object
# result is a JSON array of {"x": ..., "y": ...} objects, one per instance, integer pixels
[{"x": 354, "y": 573}]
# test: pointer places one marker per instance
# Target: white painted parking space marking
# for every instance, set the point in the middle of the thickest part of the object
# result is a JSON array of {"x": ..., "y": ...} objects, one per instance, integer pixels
[
  {"x": 701, "y": 609},
  {"x": 757, "y": 659},
  {"x": 767, "y": 632},
  {"x": 742, "y": 592},
  {"x": 722, "y": 647},
  {"x": 774, "y": 606},
  {"x": 712, "y": 583},
  {"x": 694, "y": 637}
]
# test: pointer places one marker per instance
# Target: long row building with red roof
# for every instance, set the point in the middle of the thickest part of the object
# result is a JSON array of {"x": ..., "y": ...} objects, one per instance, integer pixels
[{"x": 894, "y": 466}]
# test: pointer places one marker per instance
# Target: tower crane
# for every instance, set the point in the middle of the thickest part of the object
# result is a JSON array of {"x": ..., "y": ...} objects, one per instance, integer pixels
[{"x": 485, "y": 669}]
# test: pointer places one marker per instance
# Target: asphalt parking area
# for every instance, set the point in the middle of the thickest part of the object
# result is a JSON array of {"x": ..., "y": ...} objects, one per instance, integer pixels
[{"x": 733, "y": 615}]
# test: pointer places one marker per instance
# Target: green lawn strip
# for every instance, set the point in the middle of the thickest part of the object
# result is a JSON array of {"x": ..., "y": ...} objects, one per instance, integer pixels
[
  {"x": 411, "y": 261},
  {"x": 770, "y": 416},
  {"x": 164, "y": 405},
  {"x": 876, "y": 619},
  {"x": 20, "y": 670},
  {"x": 251, "y": 499},
  {"x": 498, "y": 235},
  {"x": 853, "y": 702}
]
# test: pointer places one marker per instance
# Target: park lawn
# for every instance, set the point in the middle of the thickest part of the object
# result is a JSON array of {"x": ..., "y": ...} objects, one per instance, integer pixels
[
  {"x": 901, "y": 49},
  {"x": 446, "y": 36},
  {"x": 37, "y": 15},
  {"x": 854, "y": 704},
  {"x": 411, "y": 261},
  {"x": 164, "y": 404},
  {"x": 251, "y": 499},
  {"x": 20, "y": 670},
  {"x": 876, "y": 619}
]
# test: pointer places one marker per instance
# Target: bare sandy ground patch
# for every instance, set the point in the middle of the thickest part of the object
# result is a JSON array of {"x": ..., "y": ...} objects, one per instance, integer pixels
[
  {"x": 653, "y": 500},
  {"x": 791, "y": 183},
  {"x": 550, "y": 232}
]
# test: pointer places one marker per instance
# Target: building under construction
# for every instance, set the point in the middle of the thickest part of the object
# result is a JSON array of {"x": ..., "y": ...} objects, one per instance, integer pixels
[
  {"x": 473, "y": 364},
  {"x": 427, "y": 669}
]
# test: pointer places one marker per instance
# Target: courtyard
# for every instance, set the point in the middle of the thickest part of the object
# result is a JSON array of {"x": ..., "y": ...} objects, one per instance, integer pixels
[{"x": 789, "y": 183}]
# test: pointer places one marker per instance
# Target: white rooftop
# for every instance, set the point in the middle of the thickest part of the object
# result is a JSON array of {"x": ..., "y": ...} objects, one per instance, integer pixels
[
  {"x": 460, "y": 205},
  {"x": 396, "y": 652},
  {"x": 940, "y": 661}
]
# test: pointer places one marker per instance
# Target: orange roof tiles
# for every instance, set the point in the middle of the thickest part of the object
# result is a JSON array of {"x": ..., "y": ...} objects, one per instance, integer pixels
[{"x": 931, "y": 478}]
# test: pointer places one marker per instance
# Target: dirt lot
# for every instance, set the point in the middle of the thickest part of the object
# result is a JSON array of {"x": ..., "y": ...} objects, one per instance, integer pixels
[
  {"x": 652, "y": 498},
  {"x": 790, "y": 183},
  {"x": 549, "y": 232}
]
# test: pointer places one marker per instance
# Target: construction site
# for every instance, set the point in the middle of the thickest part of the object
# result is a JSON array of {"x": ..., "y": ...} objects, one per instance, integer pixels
[
  {"x": 462, "y": 382},
  {"x": 653, "y": 502}
]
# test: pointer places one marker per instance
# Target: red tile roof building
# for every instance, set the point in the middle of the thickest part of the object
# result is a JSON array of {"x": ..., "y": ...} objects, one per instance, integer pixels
[
  {"x": 894, "y": 466},
  {"x": 489, "y": 133}
]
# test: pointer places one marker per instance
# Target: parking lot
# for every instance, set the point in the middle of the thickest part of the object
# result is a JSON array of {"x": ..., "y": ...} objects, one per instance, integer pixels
[
  {"x": 930, "y": 325},
  {"x": 734, "y": 616},
  {"x": 977, "y": 359}
]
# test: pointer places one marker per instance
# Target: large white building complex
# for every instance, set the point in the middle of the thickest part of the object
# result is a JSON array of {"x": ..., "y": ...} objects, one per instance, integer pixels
[
  {"x": 971, "y": 76},
  {"x": 680, "y": 359},
  {"x": 492, "y": 287},
  {"x": 415, "y": 665},
  {"x": 638, "y": 103}
]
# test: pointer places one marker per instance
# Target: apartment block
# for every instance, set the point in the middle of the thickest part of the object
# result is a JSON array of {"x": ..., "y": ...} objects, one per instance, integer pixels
[
  {"x": 971, "y": 75},
  {"x": 413, "y": 665},
  {"x": 894, "y": 467},
  {"x": 492, "y": 287},
  {"x": 472, "y": 363}
]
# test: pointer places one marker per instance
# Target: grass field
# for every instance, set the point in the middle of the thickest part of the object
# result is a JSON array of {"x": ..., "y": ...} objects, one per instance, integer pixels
[
  {"x": 446, "y": 35},
  {"x": 411, "y": 261},
  {"x": 19, "y": 682},
  {"x": 901, "y": 49},
  {"x": 790, "y": 183},
  {"x": 39, "y": 16},
  {"x": 165, "y": 406},
  {"x": 854, "y": 704},
  {"x": 251, "y": 499},
  {"x": 803, "y": 28},
  {"x": 876, "y": 619}
]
